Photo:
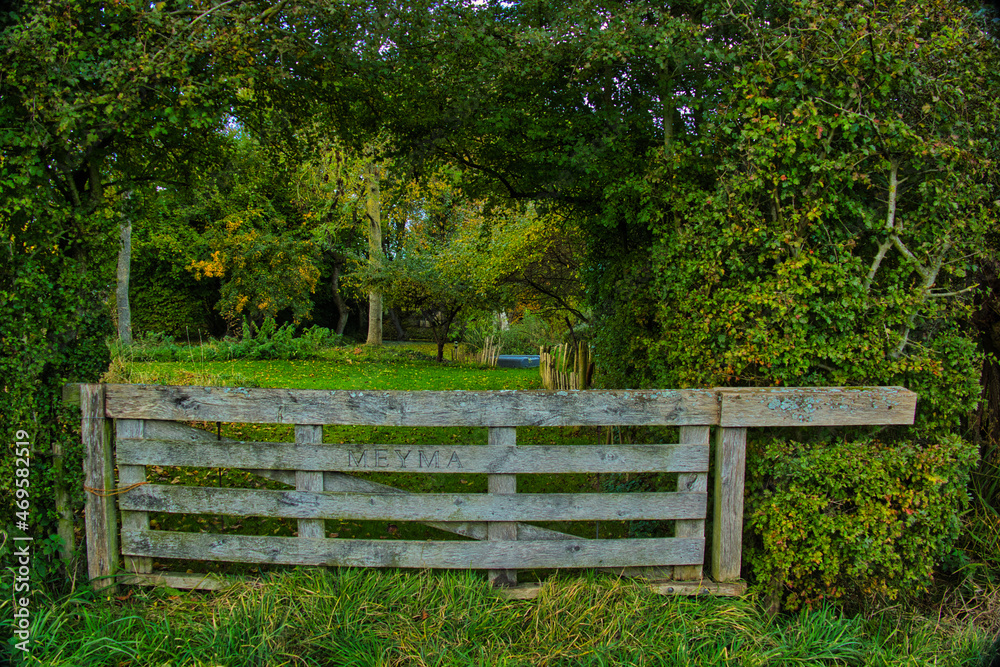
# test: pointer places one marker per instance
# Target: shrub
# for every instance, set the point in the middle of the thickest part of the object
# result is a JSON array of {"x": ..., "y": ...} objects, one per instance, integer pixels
[
  {"x": 269, "y": 342},
  {"x": 854, "y": 519}
]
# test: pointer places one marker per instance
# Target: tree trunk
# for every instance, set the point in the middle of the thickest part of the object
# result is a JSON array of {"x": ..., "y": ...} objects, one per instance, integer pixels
[
  {"x": 338, "y": 300},
  {"x": 121, "y": 292},
  {"x": 397, "y": 324},
  {"x": 373, "y": 210}
]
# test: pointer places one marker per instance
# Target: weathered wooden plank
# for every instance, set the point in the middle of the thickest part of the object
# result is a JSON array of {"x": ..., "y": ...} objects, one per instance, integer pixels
[
  {"x": 413, "y": 554},
  {"x": 727, "y": 531},
  {"x": 503, "y": 441},
  {"x": 501, "y": 506},
  {"x": 501, "y": 459},
  {"x": 819, "y": 406},
  {"x": 180, "y": 580},
  {"x": 127, "y": 476},
  {"x": 340, "y": 483},
  {"x": 414, "y": 408},
  {"x": 309, "y": 481},
  {"x": 100, "y": 513},
  {"x": 706, "y": 587},
  {"x": 692, "y": 483}
]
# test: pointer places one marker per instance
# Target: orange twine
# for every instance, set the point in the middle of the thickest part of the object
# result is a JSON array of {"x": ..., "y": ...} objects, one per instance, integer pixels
[{"x": 107, "y": 494}]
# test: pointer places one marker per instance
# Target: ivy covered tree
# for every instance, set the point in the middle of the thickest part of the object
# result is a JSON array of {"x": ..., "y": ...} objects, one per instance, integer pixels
[{"x": 823, "y": 227}]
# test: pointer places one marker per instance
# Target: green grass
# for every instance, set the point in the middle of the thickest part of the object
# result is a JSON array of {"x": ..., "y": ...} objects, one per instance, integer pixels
[
  {"x": 386, "y": 618},
  {"x": 403, "y": 367}
]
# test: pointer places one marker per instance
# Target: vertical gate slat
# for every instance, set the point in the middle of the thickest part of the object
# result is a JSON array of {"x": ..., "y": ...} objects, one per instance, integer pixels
[
  {"x": 502, "y": 530},
  {"x": 727, "y": 533},
  {"x": 101, "y": 514},
  {"x": 308, "y": 434},
  {"x": 127, "y": 476},
  {"x": 691, "y": 482}
]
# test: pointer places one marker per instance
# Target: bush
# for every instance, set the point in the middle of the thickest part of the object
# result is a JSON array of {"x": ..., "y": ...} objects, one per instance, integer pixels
[
  {"x": 269, "y": 342},
  {"x": 854, "y": 519}
]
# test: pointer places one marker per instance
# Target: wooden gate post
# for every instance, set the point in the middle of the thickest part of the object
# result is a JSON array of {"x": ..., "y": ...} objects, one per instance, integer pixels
[
  {"x": 101, "y": 512},
  {"x": 727, "y": 532}
]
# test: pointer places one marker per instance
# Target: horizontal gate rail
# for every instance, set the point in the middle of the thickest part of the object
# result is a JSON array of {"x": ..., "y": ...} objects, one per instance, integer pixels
[
  {"x": 417, "y": 459},
  {"x": 148, "y": 434}
]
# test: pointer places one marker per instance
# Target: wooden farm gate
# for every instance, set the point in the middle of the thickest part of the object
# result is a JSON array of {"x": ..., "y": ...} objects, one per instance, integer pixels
[{"x": 150, "y": 430}]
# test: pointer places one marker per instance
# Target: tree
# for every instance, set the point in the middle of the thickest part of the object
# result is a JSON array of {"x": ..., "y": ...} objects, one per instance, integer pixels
[
  {"x": 827, "y": 223},
  {"x": 709, "y": 149},
  {"x": 373, "y": 224},
  {"x": 96, "y": 98},
  {"x": 458, "y": 254},
  {"x": 257, "y": 237}
]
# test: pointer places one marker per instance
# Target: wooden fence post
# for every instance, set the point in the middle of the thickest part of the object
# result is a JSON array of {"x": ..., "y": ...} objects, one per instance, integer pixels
[
  {"x": 691, "y": 483},
  {"x": 308, "y": 434},
  {"x": 101, "y": 513},
  {"x": 502, "y": 530},
  {"x": 727, "y": 533}
]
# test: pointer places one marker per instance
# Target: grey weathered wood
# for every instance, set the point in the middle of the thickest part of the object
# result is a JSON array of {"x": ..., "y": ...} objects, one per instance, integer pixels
[
  {"x": 706, "y": 587},
  {"x": 340, "y": 483},
  {"x": 100, "y": 514},
  {"x": 692, "y": 483},
  {"x": 464, "y": 459},
  {"x": 497, "y": 506},
  {"x": 414, "y": 408},
  {"x": 735, "y": 409},
  {"x": 820, "y": 406},
  {"x": 508, "y": 554},
  {"x": 181, "y": 580},
  {"x": 309, "y": 481},
  {"x": 127, "y": 476},
  {"x": 727, "y": 531},
  {"x": 503, "y": 441}
]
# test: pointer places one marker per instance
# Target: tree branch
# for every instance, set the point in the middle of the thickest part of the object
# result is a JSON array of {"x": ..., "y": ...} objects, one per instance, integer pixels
[{"x": 929, "y": 278}]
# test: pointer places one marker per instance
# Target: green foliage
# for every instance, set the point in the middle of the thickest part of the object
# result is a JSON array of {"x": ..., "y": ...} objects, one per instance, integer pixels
[
  {"x": 92, "y": 98},
  {"x": 854, "y": 519},
  {"x": 817, "y": 229},
  {"x": 269, "y": 341},
  {"x": 255, "y": 241},
  {"x": 457, "y": 254}
]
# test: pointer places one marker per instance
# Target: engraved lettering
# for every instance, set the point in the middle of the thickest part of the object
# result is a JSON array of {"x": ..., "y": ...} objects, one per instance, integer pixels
[
  {"x": 454, "y": 459},
  {"x": 402, "y": 457},
  {"x": 381, "y": 458},
  {"x": 358, "y": 462},
  {"x": 432, "y": 462}
]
